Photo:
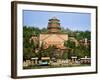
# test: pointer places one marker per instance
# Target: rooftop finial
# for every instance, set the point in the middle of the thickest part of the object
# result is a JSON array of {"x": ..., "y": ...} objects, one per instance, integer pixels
[{"x": 54, "y": 18}]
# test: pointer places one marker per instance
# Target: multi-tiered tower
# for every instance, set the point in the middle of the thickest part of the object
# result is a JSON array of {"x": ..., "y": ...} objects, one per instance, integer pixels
[
  {"x": 53, "y": 36},
  {"x": 54, "y": 25}
]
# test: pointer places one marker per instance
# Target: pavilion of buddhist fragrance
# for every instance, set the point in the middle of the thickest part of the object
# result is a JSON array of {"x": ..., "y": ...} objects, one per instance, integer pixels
[{"x": 53, "y": 37}]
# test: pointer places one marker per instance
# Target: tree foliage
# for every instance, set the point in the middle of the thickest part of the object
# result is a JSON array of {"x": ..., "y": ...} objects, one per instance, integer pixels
[{"x": 69, "y": 44}]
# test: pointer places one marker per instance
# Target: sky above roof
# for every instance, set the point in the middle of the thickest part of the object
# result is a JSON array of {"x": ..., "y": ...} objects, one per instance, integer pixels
[{"x": 73, "y": 21}]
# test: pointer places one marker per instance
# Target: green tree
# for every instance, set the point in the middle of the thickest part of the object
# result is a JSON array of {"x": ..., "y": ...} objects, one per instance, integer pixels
[
  {"x": 79, "y": 35},
  {"x": 28, "y": 54},
  {"x": 29, "y": 48},
  {"x": 65, "y": 55},
  {"x": 71, "y": 45},
  {"x": 82, "y": 51}
]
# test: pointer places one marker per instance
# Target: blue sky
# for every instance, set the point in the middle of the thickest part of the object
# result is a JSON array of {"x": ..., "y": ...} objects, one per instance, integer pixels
[{"x": 73, "y": 21}]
